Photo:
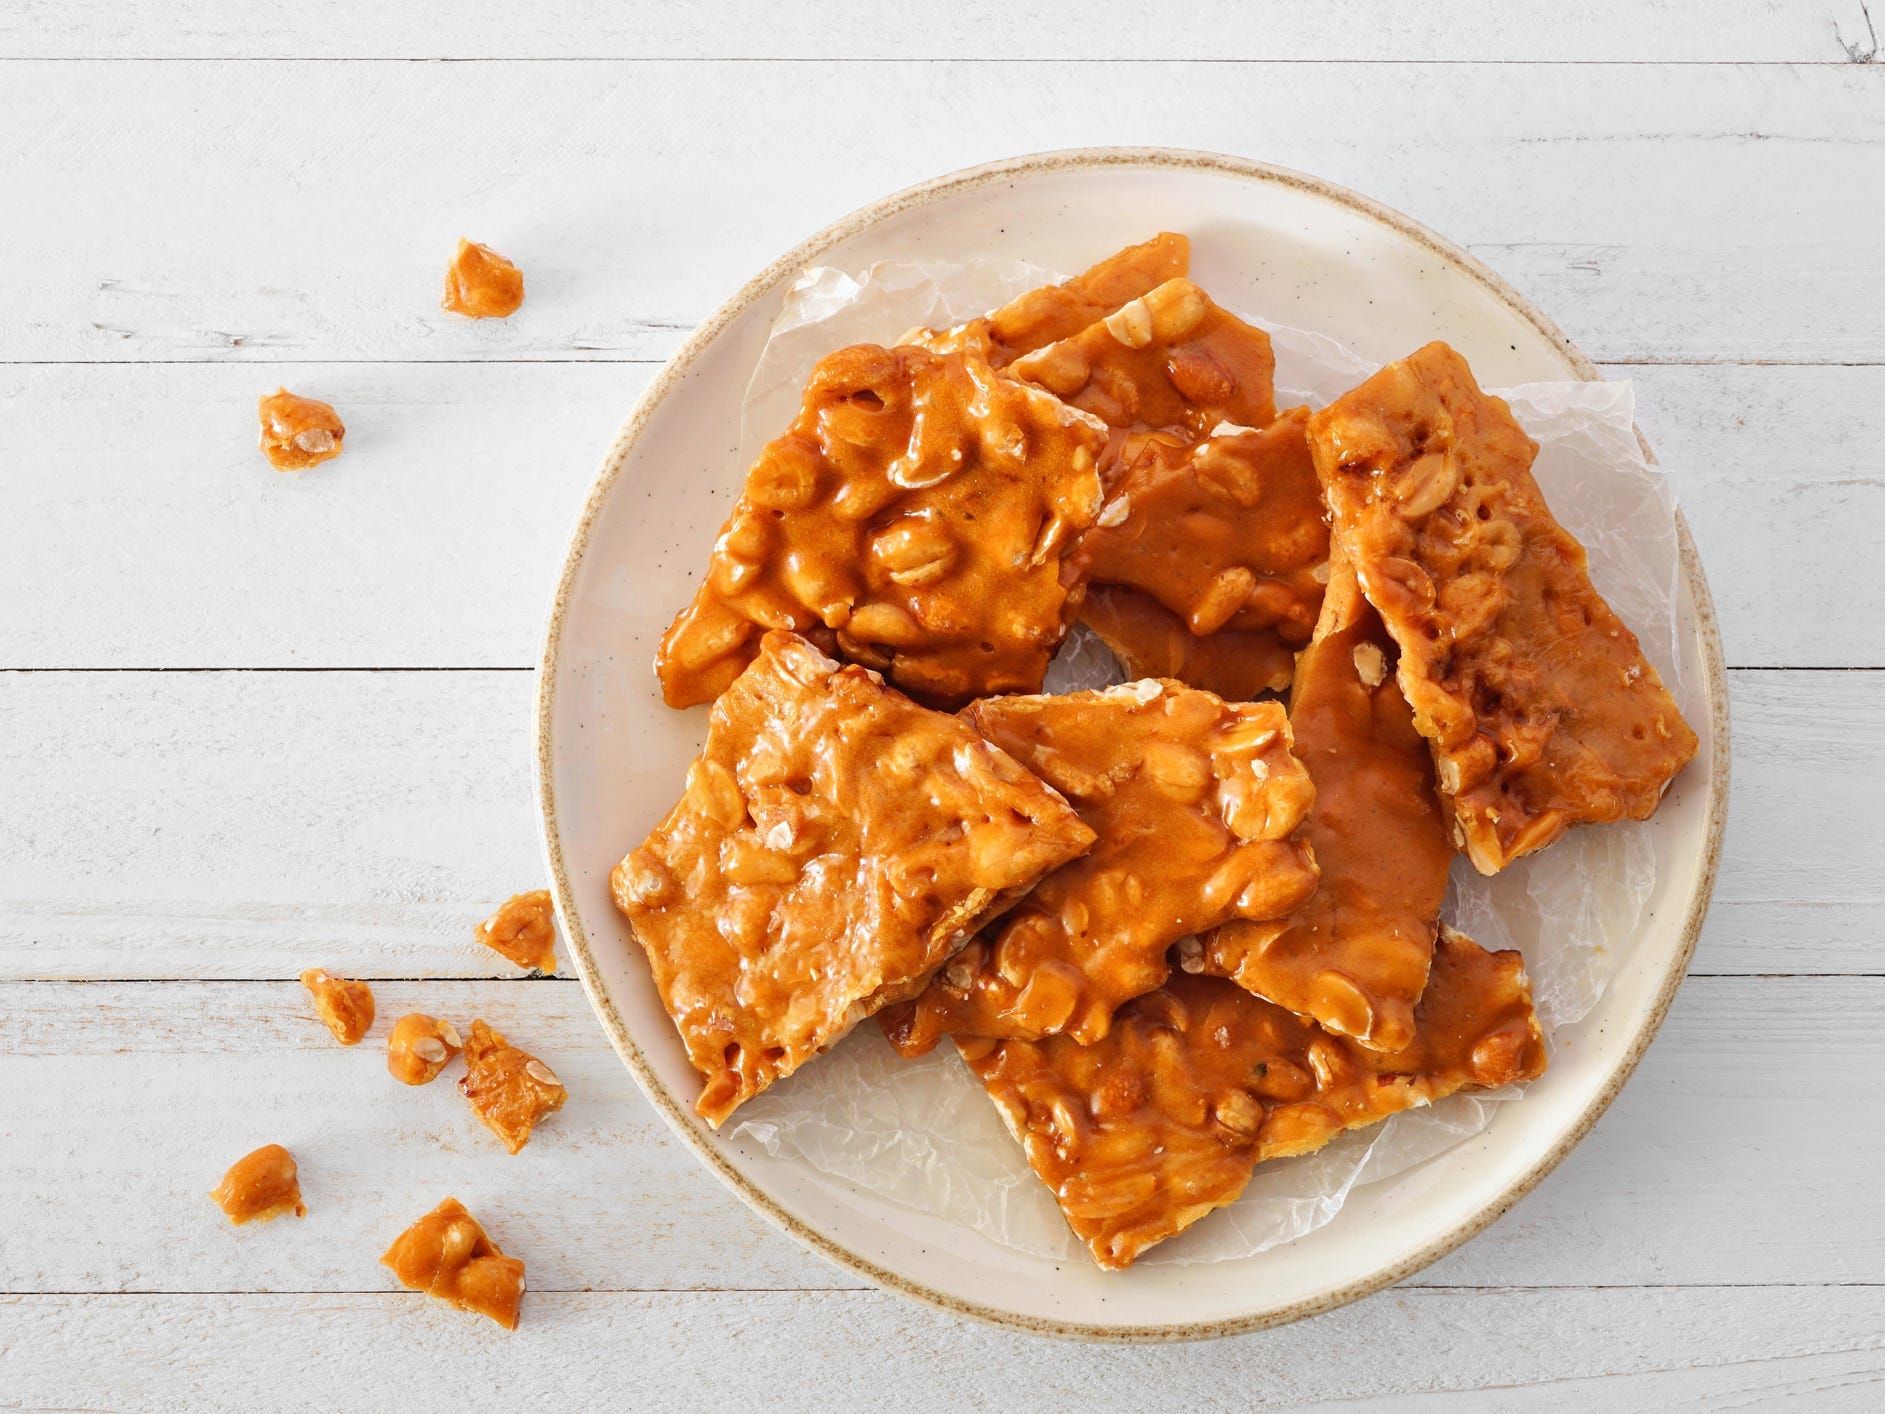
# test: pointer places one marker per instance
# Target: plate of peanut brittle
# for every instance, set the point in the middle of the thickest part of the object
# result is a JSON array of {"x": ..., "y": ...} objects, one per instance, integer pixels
[{"x": 1115, "y": 805}]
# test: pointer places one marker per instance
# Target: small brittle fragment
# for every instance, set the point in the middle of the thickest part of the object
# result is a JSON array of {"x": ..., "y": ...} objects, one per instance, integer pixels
[
  {"x": 447, "y": 1254},
  {"x": 524, "y": 930},
  {"x": 509, "y": 1090},
  {"x": 344, "y": 1007}
]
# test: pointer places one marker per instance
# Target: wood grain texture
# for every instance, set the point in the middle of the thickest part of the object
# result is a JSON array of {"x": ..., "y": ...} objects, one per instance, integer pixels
[
  {"x": 259, "y": 211},
  {"x": 180, "y": 1080},
  {"x": 1620, "y": 1351},
  {"x": 235, "y": 824},
  {"x": 434, "y": 541},
  {"x": 1801, "y": 31}
]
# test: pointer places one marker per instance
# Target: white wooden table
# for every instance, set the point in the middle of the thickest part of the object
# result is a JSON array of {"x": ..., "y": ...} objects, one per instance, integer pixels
[{"x": 251, "y": 723}]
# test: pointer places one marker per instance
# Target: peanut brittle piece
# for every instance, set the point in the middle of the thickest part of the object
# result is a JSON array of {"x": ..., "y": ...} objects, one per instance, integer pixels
[
  {"x": 260, "y": 1187},
  {"x": 1143, "y": 1133},
  {"x": 1053, "y": 312},
  {"x": 1151, "y": 641},
  {"x": 344, "y": 1007},
  {"x": 918, "y": 518},
  {"x": 523, "y": 930},
  {"x": 1196, "y": 803},
  {"x": 1169, "y": 359},
  {"x": 448, "y": 1254},
  {"x": 297, "y": 432},
  {"x": 1226, "y": 531},
  {"x": 1540, "y": 707},
  {"x": 836, "y": 844},
  {"x": 1354, "y": 957},
  {"x": 419, "y": 1047},
  {"x": 509, "y": 1090},
  {"x": 481, "y": 284}
]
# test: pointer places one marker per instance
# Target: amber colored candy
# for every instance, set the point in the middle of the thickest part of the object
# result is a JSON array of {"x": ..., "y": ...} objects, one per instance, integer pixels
[
  {"x": 523, "y": 930},
  {"x": 510, "y": 1090},
  {"x": 345, "y": 1007},
  {"x": 448, "y": 1254},
  {"x": 260, "y": 1186},
  {"x": 481, "y": 284},
  {"x": 419, "y": 1047},
  {"x": 298, "y": 432}
]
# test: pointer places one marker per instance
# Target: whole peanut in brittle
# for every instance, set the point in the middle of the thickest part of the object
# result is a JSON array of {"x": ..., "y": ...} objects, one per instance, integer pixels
[
  {"x": 918, "y": 518},
  {"x": 835, "y": 845},
  {"x": 261, "y": 1186},
  {"x": 1541, "y": 709},
  {"x": 1196, "y": 803},
  {"x": 298, "y": 432},
  {"x": 1144, "y": 1132}
]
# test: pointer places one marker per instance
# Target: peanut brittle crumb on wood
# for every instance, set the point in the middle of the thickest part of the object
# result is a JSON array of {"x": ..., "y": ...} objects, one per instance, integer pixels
[
  {"x": 1354, "y": 957},
  {"x": 298, "y": 432},
  {"x": 261, "y": 1186},
  {"x": 835, "y": 844},
  {"x": 448, "y": 1254},
  {"x": 524, "y": 930},
  {"x": 419, "y": 1047},
  {"x": 509, "y": 1090},
  {"x": 344, "y": 1007},
  {"x": 481, "y": 284},
  {"x": 1541, "y": 708},
  {"x": 918, "y": 518},
  {"x": 1141, "y": 1134},
  {"x": 1196, "y": 803}
]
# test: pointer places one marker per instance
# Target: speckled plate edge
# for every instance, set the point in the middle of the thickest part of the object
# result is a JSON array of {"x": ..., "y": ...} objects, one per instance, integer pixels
[{"x": 674, "y": 1110}]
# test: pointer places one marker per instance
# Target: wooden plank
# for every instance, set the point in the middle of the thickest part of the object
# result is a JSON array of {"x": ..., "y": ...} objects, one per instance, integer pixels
[
  {"x": 180, "y": 1079},
  {"x": 791, "y": 1351},
  {"x": 260, "y": 211},
  {"x": 245, "y": 825},
  {"x": 149, "y": 532},
  {"x": 1811, "y": 31}
]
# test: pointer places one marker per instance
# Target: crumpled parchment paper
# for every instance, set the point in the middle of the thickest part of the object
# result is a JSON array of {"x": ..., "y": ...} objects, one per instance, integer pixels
[{"x": 923, "y": 1133}]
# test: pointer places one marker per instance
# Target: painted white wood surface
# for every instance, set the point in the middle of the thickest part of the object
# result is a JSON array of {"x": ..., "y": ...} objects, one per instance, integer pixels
[{"x": 192, "y": 214}]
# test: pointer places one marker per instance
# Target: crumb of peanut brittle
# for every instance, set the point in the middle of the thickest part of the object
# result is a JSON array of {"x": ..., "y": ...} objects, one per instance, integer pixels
[
  {"x": 298, "y": 432},
  {"x": 510, "y": 1090},
  {"x": 419, "y": 1047},
  {"x": 346, "y": 1008},
  {"x": 1541, "y": 709},
  {"x": 919, "y": 517},
  {"x": 481, "y": 284},
  {"x": 448, "y": 1254},
  {"x": 1141, "y": 1134},
  {"x": 260, "y": 1186},
  {"x": 835, "y": 844},
  {"x": 1196, "y": 803},
  {"x": 523, "y": 930}
]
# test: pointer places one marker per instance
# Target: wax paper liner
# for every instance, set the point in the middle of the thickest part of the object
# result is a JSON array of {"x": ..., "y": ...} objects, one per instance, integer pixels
[{"x": 923, "y": 1133}]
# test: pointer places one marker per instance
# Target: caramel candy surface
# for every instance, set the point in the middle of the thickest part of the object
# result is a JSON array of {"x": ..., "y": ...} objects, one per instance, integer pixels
[
  {"x": 345, "y": 1008},
  {"x": 918, "y": 518},
  {"x": 419, "y": 1047},
  {"x": 835, "y": 844},
  {"x": 481, "y": 284},
  {"x": 298, "y": 432},
  {"x": 1171, "y": 359},
  {"x": 1195, "y": 802},
  {"x": 447, "y": 1254},
  {"x": 524, "y": 930},
  {"x": 1354, "y": 957},
  {"x": 510, "y": 1090},
  {"x": 260, "y": 1186},
  {"x": 1141, "y": 1134},
  {"x": 1150, "y": 641},
  {"x": 1541, "y": 709}
]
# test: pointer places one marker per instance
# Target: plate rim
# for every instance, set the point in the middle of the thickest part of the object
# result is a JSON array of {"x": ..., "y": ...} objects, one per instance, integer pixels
[{"x": 671, "y": 1108}]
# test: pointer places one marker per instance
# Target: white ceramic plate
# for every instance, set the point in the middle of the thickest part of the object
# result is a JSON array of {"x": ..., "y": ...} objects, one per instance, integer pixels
[{"x": 611, "y": 757}]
